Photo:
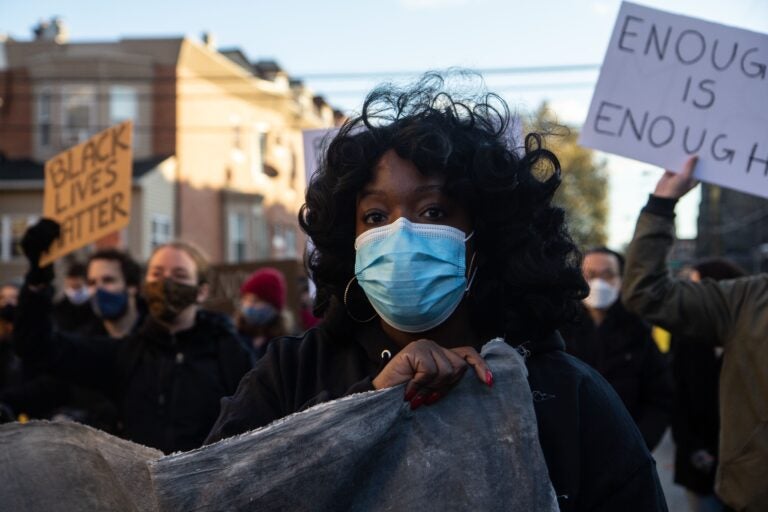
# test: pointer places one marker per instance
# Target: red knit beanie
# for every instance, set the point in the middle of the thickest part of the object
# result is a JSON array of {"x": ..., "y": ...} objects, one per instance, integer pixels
[{"x": 268, "y": 284}]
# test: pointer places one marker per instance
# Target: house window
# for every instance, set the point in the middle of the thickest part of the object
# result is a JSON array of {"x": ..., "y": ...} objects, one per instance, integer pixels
[
  {"x": 260, "y": 232},
  {"x": 258, "y": 153},
  {"x": 123, "y": 104},
  {"x": 12, "y": 228},
  {"x": 160, "y": 231},
  {"x": 290, "y": 241},
  {"x": 237, "y": 237},
  {"x": 78, "y": 107},
  {"x": 44, "y": 117}
]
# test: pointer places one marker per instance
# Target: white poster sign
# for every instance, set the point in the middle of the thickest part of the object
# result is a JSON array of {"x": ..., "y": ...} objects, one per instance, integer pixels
[
  {"x": 673, "y": 86},
  {"x": 315, "y": 144}
]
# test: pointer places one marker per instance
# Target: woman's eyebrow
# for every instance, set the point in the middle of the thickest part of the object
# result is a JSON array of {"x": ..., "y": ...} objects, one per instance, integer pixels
[
  {"x": 426, "y": 189},
  {"x": 371, "y": 192}
]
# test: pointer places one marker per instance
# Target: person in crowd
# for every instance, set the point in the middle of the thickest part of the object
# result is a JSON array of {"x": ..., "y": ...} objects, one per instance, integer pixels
[
  {"x": 695, "y": 421},
  {"x": 168, "y": 376},
  {"x": 431, "y": 236},
  {"x": 732, "y": 314},
  {"x": 24, "y": 392},
  {"x": 260, "y": 317},
  {"x": 112, "y": 308},
  {"x": 73, "y": 310},
  {"x": 619, "y": 345},
  {"x": 9, "y": 295},
  {"x": 114, "y": 279}
]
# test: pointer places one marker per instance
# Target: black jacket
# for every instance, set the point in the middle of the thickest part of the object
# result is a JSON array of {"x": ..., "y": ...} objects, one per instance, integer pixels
[
  {"x": 596, "y": 457},
  {"x": 623, "y": 351},
  {"x": 696, "y": 420},
  {"x": 167, "y": 387}
]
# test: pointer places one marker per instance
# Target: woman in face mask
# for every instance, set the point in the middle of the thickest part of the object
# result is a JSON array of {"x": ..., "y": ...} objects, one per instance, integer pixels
[
  {"x": 260, "y": 315},
  {"x": 167, "y": 376},
  {"x": 433, "y": 233}
]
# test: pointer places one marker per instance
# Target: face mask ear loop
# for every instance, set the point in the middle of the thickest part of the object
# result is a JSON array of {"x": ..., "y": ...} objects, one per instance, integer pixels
[
  {"x": 349, "y": 312},
  {"x": 474, "y": 272}
]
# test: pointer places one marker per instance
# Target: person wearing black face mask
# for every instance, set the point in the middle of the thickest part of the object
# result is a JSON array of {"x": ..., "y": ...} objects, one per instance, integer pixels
[{"x": 168, "y": 376}]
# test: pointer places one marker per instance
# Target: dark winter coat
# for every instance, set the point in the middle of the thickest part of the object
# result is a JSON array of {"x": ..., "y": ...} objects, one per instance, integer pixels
[
  {"x": 696, "y": 420},
  {"x": 622, "y": 350},
  {"x": 596, "y": 457},
  {"x": 167, "y": 386},
  {"x": 732, "y": 314}
]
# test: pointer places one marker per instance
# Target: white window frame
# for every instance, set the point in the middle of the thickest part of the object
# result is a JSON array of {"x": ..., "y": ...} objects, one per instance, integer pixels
[
  {"x": 237, "y": 237},
  {"x": 44, "y": 116},
  {"x": 157, "y": 238},
  {"x": 6, "y": 234},
  {"x": 77, "y": 95}
]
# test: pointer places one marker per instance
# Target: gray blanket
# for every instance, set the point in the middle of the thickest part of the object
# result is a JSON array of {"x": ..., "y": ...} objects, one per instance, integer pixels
[{"x": 477, "y": 448}]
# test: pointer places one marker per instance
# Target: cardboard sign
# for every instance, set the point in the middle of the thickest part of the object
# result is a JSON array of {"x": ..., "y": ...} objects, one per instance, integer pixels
[
  {"x": 673, "y": 86},
  {"x": 315, "y": 144},
  {"x": 88, "y": 189}
]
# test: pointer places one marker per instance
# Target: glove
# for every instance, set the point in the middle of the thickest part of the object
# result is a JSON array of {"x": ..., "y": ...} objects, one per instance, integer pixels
[{"x": 34, "y": 243}]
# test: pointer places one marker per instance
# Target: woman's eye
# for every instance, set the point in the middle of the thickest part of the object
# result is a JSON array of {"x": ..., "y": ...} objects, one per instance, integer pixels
[
  {"x": 434, "y": 213},
  {"x": 373, "y": 218}
]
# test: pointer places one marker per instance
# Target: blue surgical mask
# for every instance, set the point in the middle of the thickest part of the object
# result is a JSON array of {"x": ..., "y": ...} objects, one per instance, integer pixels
[
  {"x": 414, "y": 275},
  {"x": 108, "y": 305},
  {"x": 258, "y": 315}
]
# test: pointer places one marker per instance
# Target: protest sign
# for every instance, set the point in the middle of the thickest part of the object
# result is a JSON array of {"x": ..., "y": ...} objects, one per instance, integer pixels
[
  {"x": 673, "y": 86},
  {"x": 315, "y": 144},
  {"x": 88, "y": 189}
]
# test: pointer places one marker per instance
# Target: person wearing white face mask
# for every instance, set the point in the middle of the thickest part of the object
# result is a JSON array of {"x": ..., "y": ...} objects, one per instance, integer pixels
[
  {"x": 619, "y": 345},
  {"x": 73, "y": 310}
]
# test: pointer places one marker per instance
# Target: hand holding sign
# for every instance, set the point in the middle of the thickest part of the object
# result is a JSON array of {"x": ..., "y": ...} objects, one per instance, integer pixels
[
  {"x": 673, "y": 185},
  {"x": 673, "y": 86},
  {"x": 88, "y": 189}
]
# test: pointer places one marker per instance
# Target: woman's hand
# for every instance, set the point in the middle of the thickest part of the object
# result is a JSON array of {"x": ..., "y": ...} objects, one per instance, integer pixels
[
  {"x": 430, "y": 371},
  {"x": 675, "y": 185}
]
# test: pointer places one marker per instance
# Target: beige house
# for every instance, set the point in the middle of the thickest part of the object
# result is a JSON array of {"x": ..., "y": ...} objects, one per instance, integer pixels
[{"x": 218, "y": 156}]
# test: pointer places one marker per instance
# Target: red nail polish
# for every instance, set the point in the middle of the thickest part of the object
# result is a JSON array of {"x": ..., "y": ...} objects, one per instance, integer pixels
[
  {"x": 417, "y": 402},
  {"x": 489, "y": 378},
  {"x": 409, "y": 395},
  {"x": 432, "y": 398}
]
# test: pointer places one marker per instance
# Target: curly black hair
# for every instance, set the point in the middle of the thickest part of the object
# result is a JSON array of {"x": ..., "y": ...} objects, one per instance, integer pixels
[{"x": 528, "y": 281}]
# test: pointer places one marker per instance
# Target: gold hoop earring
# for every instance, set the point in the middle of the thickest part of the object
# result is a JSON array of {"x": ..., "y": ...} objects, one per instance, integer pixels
[{"x": 349, "y": 312}]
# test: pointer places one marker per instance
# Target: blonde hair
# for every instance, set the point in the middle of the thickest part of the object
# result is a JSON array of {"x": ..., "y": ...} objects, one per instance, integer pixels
[{"x": 197, "y": 255}]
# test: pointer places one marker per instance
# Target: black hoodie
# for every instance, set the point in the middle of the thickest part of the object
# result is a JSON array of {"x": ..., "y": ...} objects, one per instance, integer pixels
[
  {"x": 596, "y": 458},
  {"x": 167, "y": 386}
]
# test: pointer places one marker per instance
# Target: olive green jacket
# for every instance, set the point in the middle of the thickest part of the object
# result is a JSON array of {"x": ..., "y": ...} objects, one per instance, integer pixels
[{"x": 733, "y": 314}]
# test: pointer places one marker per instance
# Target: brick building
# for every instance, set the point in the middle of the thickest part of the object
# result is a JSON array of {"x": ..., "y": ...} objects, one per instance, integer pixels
[{"x": 218, "y": 156}]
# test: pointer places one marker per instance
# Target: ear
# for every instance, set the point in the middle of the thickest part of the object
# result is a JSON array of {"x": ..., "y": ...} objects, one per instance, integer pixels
[{"x": 202, "y": 293}]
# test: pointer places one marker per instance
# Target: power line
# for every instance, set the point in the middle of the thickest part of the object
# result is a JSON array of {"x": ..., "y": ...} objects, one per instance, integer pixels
[
  {"x": 341, "y": 75},
  {"x": 563, "y": 68},
  {"x": 123, "y": 97}
]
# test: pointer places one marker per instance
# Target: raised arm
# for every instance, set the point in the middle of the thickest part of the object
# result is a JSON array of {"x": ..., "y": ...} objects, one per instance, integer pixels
[
  {"x": 698, "y": 310},
  {"x": 73, "y": 358}
]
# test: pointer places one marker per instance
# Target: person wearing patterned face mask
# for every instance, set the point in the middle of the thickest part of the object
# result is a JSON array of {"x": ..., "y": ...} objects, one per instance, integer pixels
[
  {"x": 167, "y": 376},
  {"x": 619, "y": 345},
  {"x": 433, "y": 232}
]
